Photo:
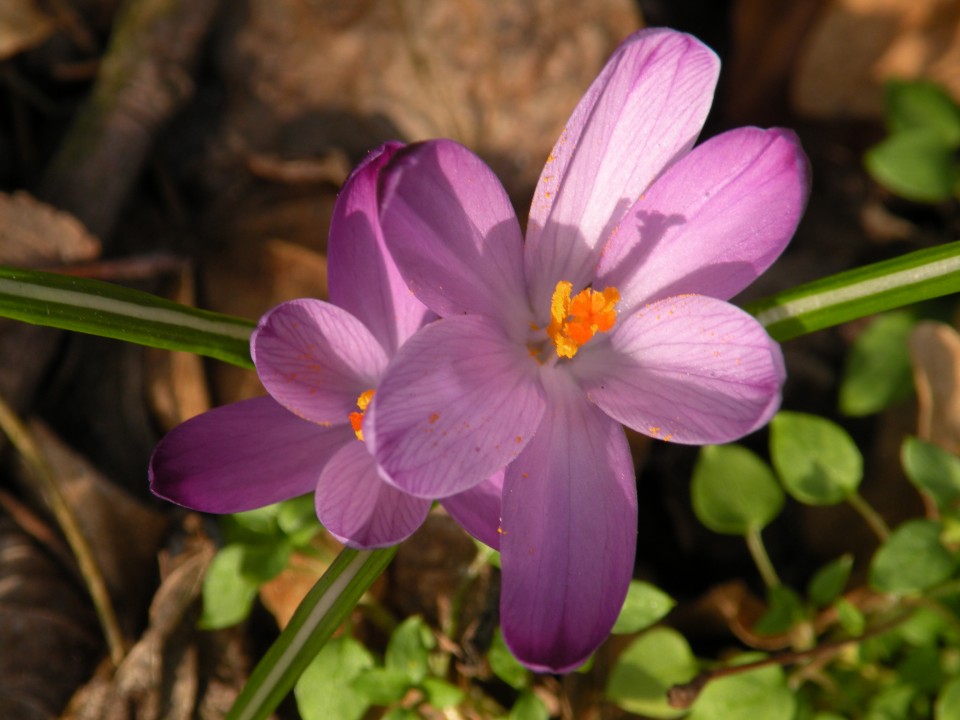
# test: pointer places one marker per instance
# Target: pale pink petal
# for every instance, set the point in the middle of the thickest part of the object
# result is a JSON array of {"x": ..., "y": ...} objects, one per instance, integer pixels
[
  {"x": 478, "y": 510},
  {"x": 643, "y": 111},
  {"x": 242, "y": 456},
  {"x": 713, "y": 222},
  {"x": 363, "y": 278},
  {"x": 315, "y": 359},
  {"x": 359, "y": 508},
  {"x": 453, "y": 233},
  {"x": 457, "y": 403},
  {"x": 568, "y": 534},
  {"x": 690, "y": 369}
]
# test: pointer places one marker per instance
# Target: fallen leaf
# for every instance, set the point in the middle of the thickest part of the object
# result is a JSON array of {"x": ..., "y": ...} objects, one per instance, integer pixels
[
  {"x": 935, "y": 352},
  {"x": 22, "y": 26}
]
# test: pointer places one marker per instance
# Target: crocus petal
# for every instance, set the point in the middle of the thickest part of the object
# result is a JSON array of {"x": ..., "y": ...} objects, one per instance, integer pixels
[
  {"x": 457, "y": 403},
  {"x": 568, "y": 535},
  {"x": 453, "y": 233},
  {"x": 644, "y": 110},
  {"x": 690, "y": 369},
  {"x": 363, "y": 278},
  {"x": 242, "y": 456},
  {"x": 713, "y": 222},
  {"x": 359, "y": 508},
  {"x": 477, "y": 510},
  {"x": 315, "y": 359}
]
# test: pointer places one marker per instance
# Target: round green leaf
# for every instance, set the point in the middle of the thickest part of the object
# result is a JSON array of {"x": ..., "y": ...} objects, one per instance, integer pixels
[
  {"x": 324, "y": 690},
  {"x": 932, "y": 470},
  {"x": 916, "y": 164},
  {"x": 922, "y": 105},
  {"x": 441, "y": 694},
  {"x": 912, "y": 559},
  {"x": 529, "y": 707},
  {"x": 829, "y": 581},
  {"x": 761, "y": 693},
  {"x": 815, "y": 458},
  {"x": 647, "y": 669},
  {"x": 504, "y": 665},
  {"x": 644, "y": 605},
  {"x": 381, "y": 686},
  {"x": 947, "y": 706},
  {"x": 228, "y": 593},
  {"x": 733, "y": 490},
  {"x": 408, "y": 651},
  {"x": 877, "y": 372}
]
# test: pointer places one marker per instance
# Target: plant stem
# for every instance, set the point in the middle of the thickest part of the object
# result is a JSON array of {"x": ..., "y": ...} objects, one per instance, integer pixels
[
  {"x": 871, "y": 516},
  {"x": 759, "y": 553},
  {"x": 26, "y": 445}
]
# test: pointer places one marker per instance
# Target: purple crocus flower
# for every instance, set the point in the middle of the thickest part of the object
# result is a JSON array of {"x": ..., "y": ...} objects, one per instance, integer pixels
[
  {"x": 320, "y": 363},
  {"x": 612, "y": 311}
]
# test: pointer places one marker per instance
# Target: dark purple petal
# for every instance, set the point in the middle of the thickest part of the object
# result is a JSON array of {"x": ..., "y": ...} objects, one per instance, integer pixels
[
  {"x": 453, "y": 233},
  {"x": 457, "y": 403},
  {"x": 643, "y": 111},
  {"x": 689, "y": 369},
  {"x": 358, "y": 507},
  {"x": 478, "y": 510},
  {"x": 568, "y": 535},
  {"x": 315, "y": 359},
  {"x": 242, "y": 456},
  {"x": 363, "y": 278},
  {"x": 713, "y": 222}
]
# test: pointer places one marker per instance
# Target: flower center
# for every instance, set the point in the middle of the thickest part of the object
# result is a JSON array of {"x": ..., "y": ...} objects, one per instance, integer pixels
[
  {"x": 574, "y": 320},
  {"x": 356, "y": 418}
]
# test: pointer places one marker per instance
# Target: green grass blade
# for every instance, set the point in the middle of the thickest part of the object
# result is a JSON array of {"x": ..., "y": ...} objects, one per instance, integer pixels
[
  {"x": 320, "y": 613},
  {"x": 866, "y": 290},
  {"x": 107, "y": 310}
]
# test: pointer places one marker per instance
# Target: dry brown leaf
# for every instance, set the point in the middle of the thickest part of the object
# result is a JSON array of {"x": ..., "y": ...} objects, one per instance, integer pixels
[
  {"x": 123, "y": 534},
  {"x": 859, "y": 44},
  {"x": 22, "y": 26},
  {"x": 935, "y": 352},
  {"x": 499, "y": 76},
  {"x": 176, "y": 384},
  {"x": 34, "y": 233}
]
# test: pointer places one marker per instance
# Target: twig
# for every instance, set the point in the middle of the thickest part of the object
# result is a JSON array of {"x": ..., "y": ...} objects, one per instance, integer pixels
[{"x": 26, "y": 445}]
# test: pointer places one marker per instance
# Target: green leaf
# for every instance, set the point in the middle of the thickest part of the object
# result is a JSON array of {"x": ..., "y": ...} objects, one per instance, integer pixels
[
  {"x": 784, "y": 610},
  {"x": 921, "y": 668},
  {"x": 932, "y": 470},
  {"x": 644, "y": 605},
  {"x": 829, "y": 581},
  {"x": 401, "y": 713},
  {"x": 297, "y": 519},
  {"x": 504, "y": 665},
  {"x": 529, "y": 707},
  {"x": 112, "y": 311},
  {"x": 862, "y": 291},
  {"x": 228, "y": 593},
  {"x": 408, "y": 651},
  {"x": 441, "y": 694},
  {"x": 324, "y": 691},
  {"x": 912, "y": 559},
  {"x": 265, "y": 561},
  {"x": 916, "y": 165},
  {"x": 877, "y": 372},
  {"x": 321, "y": 612},
  {"x": 761, "y": 693},
  {"x": 647, "y": 669},
  {"x": 381, "y": 686},
  {"x": 922, "y": 105},
  {"x": 815, "y": 458},
  {"x": 947, "y": 706},
  {"x": 733, "y": 490},
  {"x": 891, "y": 703},
  {"x": 851, "y": 618}
]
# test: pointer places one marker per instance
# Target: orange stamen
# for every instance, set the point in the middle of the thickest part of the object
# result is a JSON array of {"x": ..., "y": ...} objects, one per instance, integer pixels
[
  {"x": 356, "y": 418},
  {"x": 574, "y": 321}
]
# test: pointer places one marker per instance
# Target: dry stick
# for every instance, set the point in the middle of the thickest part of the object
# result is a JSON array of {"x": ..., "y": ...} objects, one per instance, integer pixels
[
  {"x": 23, "y": 440},
  {"x": 683, "y": 696},
  {"x": 144, "y": 78}
]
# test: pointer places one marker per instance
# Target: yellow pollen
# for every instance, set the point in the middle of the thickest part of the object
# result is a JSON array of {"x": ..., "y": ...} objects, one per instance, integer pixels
[
  {"x": 356, "y": 418},
  {"x": 573, "y": 321}
]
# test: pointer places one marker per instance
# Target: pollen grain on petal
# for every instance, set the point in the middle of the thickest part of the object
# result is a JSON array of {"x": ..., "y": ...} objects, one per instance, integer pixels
[{"x": 434, "y": 416}]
